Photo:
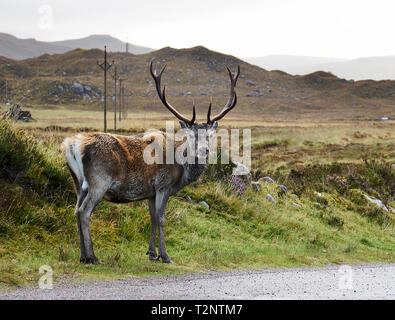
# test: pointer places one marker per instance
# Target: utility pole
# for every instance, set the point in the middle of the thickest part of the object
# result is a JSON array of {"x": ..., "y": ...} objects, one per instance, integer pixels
[
  {"x": 123, "y": 102},
  {"x": 120, "y": 99},
  {"x": 126, "y": 104},
  {"x": 105, "y": 66},
  {"x": 116, "y": 78}
]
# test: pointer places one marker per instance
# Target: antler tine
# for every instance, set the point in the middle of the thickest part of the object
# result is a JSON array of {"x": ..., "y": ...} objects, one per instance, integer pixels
[
  {"x": 232, "y": 98},
  {"x": 208, "y": 113},
  {"x": 162, "y": 96}
]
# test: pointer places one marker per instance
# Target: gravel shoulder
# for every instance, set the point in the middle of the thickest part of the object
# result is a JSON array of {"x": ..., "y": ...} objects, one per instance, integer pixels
[{"x": 370, "y": 281}]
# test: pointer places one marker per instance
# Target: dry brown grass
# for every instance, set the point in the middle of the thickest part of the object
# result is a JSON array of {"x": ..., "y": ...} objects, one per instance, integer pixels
[{"x": 200, "y": 74}]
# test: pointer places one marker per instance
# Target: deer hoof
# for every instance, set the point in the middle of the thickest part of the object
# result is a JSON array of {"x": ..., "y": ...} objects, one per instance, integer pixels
[
  {"x": 90, "y": 260},
  {"x": 152, "y": 256},
  {"x": 166, "y": 260}
]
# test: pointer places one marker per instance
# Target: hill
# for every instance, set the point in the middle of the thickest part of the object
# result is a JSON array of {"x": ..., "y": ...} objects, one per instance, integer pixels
[
  {"x": 98, "y": 41},
  {"x": 375, "y": 68},
  {"x": 195, "y": 74},
  {"x": 291, "y": 64},
  {"x": 18, "y": 49}
]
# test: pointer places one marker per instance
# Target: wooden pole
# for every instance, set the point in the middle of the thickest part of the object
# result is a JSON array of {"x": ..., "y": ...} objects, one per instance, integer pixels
[
  {"x": 120, "y": 100},
  {"x": 115, "y": 77},
  {"x": 105, "y": 66}
]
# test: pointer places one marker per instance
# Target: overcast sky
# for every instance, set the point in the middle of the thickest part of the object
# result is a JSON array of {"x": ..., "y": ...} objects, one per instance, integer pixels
[{"x": 244, "y": 28}]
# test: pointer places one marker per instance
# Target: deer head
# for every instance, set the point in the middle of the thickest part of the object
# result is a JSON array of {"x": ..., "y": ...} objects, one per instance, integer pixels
[{"x": 200, "y": 133}]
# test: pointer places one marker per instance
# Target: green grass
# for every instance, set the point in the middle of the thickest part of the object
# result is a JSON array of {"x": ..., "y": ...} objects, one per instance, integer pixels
[{"x": 37, "y": 224}]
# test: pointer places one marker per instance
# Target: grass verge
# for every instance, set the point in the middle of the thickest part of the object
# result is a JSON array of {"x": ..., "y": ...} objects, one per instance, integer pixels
[{"x": 323, "y": 218}]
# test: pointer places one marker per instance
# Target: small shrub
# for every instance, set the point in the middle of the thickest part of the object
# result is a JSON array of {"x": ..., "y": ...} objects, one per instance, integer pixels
[{"x": 237, "y": 184}]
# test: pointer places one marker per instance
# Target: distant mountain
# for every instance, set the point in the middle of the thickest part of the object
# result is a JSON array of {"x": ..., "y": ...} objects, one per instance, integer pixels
[
  {"x": 290, "y": 64},
  {"x": 375, "y": 68},
  {"x": 98, "y": 41},
  {"x": 19, "y": 49}
]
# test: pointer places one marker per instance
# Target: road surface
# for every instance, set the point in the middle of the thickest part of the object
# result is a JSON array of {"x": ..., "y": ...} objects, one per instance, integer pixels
[{"x": 372, "y": 281}]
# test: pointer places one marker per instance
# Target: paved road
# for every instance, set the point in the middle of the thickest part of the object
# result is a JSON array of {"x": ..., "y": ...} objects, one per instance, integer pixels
[{"x": 373, "y": 281}]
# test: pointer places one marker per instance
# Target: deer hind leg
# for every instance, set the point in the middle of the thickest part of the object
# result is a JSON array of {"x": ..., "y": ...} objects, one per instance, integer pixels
[
  {"x": 154, "y": 223},
  {"x": 81, "y": 195},
  {"x": 160, "y": 204},
  {"x": 93, "y": 197},
  {"x": 80, "y": 200}
]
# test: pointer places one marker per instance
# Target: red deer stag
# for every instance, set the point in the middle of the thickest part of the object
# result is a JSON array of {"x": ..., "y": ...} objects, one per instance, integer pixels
[{"x": 112, "y": 167}]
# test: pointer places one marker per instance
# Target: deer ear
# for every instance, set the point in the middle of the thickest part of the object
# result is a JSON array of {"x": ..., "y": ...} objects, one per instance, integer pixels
[
  {"x": 214, "y": 125},
  {"x": 183, "y": 124}
]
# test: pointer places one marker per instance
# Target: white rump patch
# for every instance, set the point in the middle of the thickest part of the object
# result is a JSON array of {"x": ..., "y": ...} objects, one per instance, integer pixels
[{"x": 72, "y": 149}]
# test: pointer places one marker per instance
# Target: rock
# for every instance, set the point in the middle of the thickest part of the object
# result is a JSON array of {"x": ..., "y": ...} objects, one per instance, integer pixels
[
  {"x": 189, "y": 199},
  {"x": 204, "y": 204},
  {"x": 256, "y": 185},
  {"x": 250, "y": 83},
  {"x": 376, "y": 202},
  {"x": 296, "y": 205},
  {"x": 240, "y": 169},
  {"x": 268, "y": 179},
  {"x": 283, "y": 189},
  {"x": 270, "y": 198},
  {"x": 77, "y": 88}
]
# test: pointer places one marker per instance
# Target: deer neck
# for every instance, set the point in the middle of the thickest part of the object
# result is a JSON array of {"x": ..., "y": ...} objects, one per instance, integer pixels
[{"x": 192, "y": 172}]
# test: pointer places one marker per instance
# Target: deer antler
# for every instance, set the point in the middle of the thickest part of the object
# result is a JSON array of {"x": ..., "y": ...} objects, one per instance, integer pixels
[
  {"x": 232, "y": 98},
  {"x": 162, "y": 96}
]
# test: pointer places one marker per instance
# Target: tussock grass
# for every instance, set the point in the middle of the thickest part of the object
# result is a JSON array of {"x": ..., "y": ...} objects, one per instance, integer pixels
[{"x": 37, "y": 225}]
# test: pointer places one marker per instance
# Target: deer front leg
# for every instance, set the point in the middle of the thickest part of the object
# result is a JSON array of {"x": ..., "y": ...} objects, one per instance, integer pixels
[
  {"x": 160, "y": 204},
  {"x": 152, "y": 246}
]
